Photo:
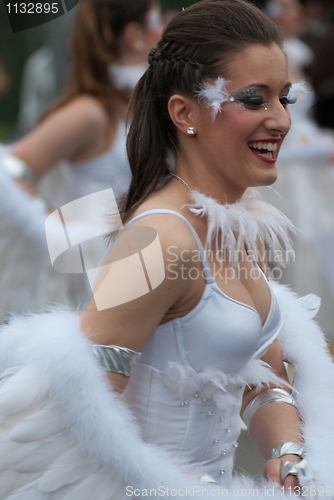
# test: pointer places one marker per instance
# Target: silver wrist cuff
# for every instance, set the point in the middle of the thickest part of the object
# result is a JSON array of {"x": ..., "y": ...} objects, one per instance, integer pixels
[
  {"x": 268, "y": 396},
  {"x": 116, "y": 359},
  {"x": 18, "y": 169},
  {"x": 302, "y": 470},
  {"x": 288, "y": 448}
]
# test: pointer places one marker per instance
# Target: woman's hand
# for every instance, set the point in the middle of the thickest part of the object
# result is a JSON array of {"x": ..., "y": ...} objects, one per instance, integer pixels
[
  {"x": 27, "y": 186},
  {"x": 272, "y": 471}
]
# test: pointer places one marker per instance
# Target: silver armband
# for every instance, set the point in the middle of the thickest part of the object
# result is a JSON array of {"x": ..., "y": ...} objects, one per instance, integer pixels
[
  {"x": 302, "y": 470},
  {"x": 18, "y": 169},
  {"x": 288, "y": 448},
  {"x": 116, "y": 359},
  {"x": 269, "y": 396}
]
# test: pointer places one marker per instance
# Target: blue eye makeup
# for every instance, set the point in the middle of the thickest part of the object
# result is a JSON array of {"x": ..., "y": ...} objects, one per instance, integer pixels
[{"x": 250, "y": 99}]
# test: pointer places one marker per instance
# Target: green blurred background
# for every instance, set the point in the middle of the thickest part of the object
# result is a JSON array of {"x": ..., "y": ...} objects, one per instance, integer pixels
[{"x": 15, "y": 48}]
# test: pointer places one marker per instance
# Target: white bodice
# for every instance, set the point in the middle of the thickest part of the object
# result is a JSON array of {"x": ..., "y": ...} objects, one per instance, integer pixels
[
  {"x": 72, "y": 180},
  {"x": 188, "y": 387}
]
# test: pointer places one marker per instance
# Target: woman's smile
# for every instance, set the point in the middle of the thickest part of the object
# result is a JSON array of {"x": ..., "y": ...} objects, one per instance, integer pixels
[{"x": 264, "y": 149}]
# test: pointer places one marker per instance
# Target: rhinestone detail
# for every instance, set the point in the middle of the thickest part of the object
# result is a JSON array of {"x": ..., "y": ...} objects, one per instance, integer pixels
[
  {"x": 209, "y": 413},
  {"x": 196, "y": 395},
  {"x": 221, "y": 471},
  {"x": 223, "y": 453},
  {"x": 204, "y": 400},
  {"x": 184, "y": 403},
  {"x": 228, "y": 429},
  {"x": 216, "y": 440},
  {"x": 222, "y": 418},
  {"x": 236, "y": 444}
]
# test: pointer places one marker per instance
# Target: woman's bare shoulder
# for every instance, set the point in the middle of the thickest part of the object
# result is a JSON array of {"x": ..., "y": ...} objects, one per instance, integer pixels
[
  {"x": 88, "y": 108},
  {"x": 172, "y": 229}
]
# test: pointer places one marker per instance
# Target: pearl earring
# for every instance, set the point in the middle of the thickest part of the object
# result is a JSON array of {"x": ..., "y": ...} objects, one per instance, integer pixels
[{"x": 191, "y": 131}]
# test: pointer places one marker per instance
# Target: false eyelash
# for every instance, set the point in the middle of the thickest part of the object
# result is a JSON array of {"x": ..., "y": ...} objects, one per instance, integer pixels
[
  {"x": 248, "y": 98},
  {"x": 215, "y": 95},
  {"x": 287, "y": 101}
]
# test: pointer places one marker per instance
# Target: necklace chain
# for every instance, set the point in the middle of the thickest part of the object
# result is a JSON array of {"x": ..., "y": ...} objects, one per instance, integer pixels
[{"x": 181, "y": 180}]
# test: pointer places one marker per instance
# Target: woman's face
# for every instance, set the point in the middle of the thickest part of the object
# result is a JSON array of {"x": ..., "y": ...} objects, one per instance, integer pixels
[{"x": 240, "y": 147}]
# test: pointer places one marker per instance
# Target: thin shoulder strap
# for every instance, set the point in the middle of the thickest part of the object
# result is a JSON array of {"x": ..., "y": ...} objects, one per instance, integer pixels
[{"x": 206, "y": 268}]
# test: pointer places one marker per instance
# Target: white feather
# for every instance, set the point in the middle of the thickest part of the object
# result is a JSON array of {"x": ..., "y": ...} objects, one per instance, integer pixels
[
  {"x": 22, "y": 390},
  {"x": 29, "y": 494},
  {"x": 214, "y": 95},
  {"x": 40, "y": 459},
  {"x": 99, "y": 486},
  {"x": 12, "y": 452},
  {"x": 68, "y": 468},
  {"x": 184, "y": 381},
  {"x": 311, "y": 304},
  {"x": 8, "y": 422},
  {"x": 10, "y": 482},
  {"x": 242, "y": 224},
  {"x": 38, "y": 426},
  {"x": 296, "y": 88}
]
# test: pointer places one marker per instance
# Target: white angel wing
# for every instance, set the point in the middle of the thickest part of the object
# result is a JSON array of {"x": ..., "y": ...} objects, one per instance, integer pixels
[
  {"x": 39, "y": 458},
  {"x": 64, "y": 434}
]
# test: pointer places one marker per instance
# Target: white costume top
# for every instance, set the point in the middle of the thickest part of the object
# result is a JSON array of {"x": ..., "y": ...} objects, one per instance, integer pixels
[
  {"x": 207, "y": 347},
  {"x": 26, "y": 272},
  {"x": 79, "y": 178}
]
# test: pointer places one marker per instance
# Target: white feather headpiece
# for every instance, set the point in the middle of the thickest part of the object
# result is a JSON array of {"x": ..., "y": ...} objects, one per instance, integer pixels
[
  {"x": 297, "y": 87},
  {"x": 214, "y": 94},
  {"x": 234, "y": 227}
]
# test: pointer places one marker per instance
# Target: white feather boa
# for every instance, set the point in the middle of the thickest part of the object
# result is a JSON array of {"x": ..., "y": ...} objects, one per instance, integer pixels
[
  {"x": 58, "y": 360},
  {"x": 242, "y": 224}
]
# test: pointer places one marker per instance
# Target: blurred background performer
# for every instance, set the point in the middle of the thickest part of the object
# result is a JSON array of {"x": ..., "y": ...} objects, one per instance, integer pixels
[
  {"x": 78, "y": 148},
  {"x": 306, "y": 178}
]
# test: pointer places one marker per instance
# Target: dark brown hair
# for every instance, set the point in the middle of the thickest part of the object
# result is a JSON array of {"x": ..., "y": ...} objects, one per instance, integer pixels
[
  {"x": 95, "y": 36},
  {"x": 195, "y": 46}
]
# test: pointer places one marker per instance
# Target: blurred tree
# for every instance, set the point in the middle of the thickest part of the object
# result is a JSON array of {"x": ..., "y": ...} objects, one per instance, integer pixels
[{"x": 14, "y": 49}]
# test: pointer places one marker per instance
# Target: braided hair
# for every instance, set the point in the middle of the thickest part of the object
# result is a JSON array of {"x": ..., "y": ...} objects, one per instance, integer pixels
[{"x": 195, "y": 46}]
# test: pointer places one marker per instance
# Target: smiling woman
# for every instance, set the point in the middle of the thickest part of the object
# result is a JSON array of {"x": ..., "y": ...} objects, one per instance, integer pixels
[
  {"x": 204, "y": 340},
  {"x": 255, "y": 112}
]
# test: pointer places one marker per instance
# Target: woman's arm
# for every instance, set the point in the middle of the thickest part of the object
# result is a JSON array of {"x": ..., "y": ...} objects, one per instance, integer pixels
[
  {"x": 131, "y": 324},
  {"x": 274, "y": 423},
  {"x": 65, "y": 133}
]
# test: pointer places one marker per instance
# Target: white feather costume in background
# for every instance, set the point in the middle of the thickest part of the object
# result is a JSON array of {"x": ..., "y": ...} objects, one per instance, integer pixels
[
  {"x": 27, "y": 279},
  {"x": 65, "y": 435},
  {"x": 305, "y": 187}
]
